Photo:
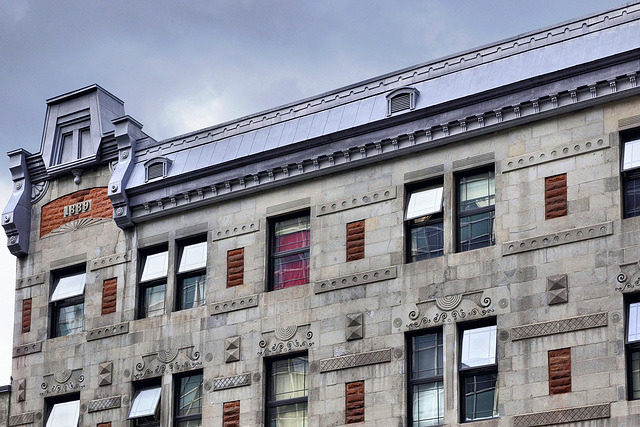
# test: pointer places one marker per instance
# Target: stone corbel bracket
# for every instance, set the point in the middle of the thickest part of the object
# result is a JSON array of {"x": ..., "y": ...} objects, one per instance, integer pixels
[
  {"x": 16, "y": 216},
  {"x": 127, "y": 132},
  {"x": 455, "y": 308}
]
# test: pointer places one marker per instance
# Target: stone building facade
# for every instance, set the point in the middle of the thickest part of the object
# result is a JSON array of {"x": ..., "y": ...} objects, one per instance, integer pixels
[{"x": 455, "y": 242}]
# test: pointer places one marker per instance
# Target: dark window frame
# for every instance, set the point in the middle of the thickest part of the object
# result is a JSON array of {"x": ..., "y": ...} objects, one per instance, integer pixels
[
  {"x": 411, "y": 381},
  {"x": 56, "y": 306},
  {"x": 181, "y": 277},
  {"x": 467, "y": 372},
  {"x": 628, "y": 176},
  {"x": 142, "y": 310},
  {"x": 460, "y": 214},
  {"x": 273, "y": 255},
  {"x": 631, "y": 347},
  {"x": 422, "y": 222},
  {"x": 176, "y": 396},
  {"x": 139, "y": 386},
  {"x": 269, "y": 403}
]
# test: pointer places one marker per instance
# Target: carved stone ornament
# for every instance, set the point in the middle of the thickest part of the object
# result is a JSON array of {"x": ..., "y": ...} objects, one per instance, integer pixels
[
  {"x": 629, "y": 278},
  {"x": 171, "y": 361},
  {"x": 284, "y": 340},
  {"x": 454, "y": 308},
  {"x": 61, "y": 382}
]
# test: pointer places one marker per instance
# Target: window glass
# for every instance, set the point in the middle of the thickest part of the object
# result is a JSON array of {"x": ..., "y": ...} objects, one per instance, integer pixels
[
  {"x": 427, "y": 241},
  {"x": 292, "y": 270},
  {"x": 477, "y": 191},
  {"x": 631, "y": 158},
  {"x": 481, "y": 398},
  {"x": 634, "y": 322},
  {"x": 68, "y": 286},
  {"x": 193, "y": 257},
  {"x": 64, "y": 414},
  {"x": 292, "y": 234},
  {"x": 476, "y": 231},
  {"x": 290, "y": 252},
  {"x": 428, "y": 404},
  {"x": 70, "y": 319},
  {"x": 190, "y": 396},
  {"x": 426, "y": 380},
  {"x": 294, "y": 415},
  {"x": 424, "y": 202},
  {"x": 289, "y": 378},
  {"x": 154, "y": 300},
  {"x": 479, "y": 346},
  {"x": 145, "y": 403},
  {"x": 193, "y": 289},
  {"x": 427, "y": 355},
  {"x": 155, "y": 266}
]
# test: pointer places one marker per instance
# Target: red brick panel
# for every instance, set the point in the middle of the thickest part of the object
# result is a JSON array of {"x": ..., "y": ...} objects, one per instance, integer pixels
[
  {"x": 231, "y": 414},
  {"x": 355, "y": 240},
  {"x": 560, "y": 371},
  {"x": 26, "y": 315},
  {"x": 105, "y": 424},
  {"x": 555, "y": 196},
  {"x": 109, "y": 295},
  {"x": 53, "y": 212},
  {"x": 235, "y": 267},
  {"x": 354, "y": 402}
]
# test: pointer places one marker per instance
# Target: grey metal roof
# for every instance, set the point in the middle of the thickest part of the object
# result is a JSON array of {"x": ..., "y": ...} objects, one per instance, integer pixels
[{"x": 475, "y": 71}]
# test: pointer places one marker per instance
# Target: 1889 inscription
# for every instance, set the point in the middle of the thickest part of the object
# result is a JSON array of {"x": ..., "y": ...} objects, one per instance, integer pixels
[{"x": 77, "y": 208}]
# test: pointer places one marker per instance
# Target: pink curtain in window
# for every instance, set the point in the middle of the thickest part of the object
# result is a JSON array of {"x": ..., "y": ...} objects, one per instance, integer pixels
[{"x": 292, "y": 270}]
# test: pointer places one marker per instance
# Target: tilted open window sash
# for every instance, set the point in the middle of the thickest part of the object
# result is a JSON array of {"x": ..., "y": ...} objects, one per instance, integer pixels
[
  {"x": 631, "y": 158},
  {"x": 193, "y": 257},
  {"x": 68, "y": 287},
  {"x": 479, "y": 347},
  {"x": 145, "y": 403},
  {"x": 424, "y": 202},
  {"x": 64, "y": 414},
  {"x": 155, "y": 266}
]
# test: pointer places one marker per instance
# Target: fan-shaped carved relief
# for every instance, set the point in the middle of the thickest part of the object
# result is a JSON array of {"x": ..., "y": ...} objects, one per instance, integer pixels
[
  {"x": 171, "y": 360},
  {"x": 62, "y": 381},
  {"x": 283, "y": 340}
]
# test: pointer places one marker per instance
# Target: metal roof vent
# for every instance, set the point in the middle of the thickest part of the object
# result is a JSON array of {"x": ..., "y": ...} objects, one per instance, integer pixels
[
  {"x": 157, "y": 168},
  {"x": 403, "y": 99}
]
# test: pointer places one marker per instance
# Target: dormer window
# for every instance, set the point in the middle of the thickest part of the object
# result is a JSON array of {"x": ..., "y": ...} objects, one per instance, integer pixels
[
  {"x": 156, "y": 168},
  {"x": 403, "y": 99},
  {"x": 74, "y": 142}
]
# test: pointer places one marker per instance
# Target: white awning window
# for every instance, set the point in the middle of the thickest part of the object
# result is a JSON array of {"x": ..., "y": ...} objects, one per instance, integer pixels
[
  {"x": 145, "y": 403},
  {"x": 479, "y": 347},
  {"x": 155, "y": 266},
  {"x": 634, "y": 322},
  {"x": 631, "y": 158},
  {"x": 424, "y": 202},
  {"x": 64, "y": 414},
  {"x": 193, "y": 257},
  {"x": 69, "y": 286}
]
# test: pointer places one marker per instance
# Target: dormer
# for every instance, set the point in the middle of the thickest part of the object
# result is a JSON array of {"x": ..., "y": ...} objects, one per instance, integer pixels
[
  {"x": 74, "y": 127},
  {"x": 401, "y": 99}
]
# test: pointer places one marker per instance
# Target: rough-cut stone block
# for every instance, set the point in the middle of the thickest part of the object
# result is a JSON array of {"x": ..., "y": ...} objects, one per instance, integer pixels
[
  {"x": 560, "y": 371},
  {"x": 356, "y": 201},
  {"x": 355, "y": 279},
  {"x": 231, "y": 414},
  {"x": 354, "y": 402},
  {"x": 562, "y": 416},
  {"x": 355, "y": 240},
  {"x": 559, "y": 326}
]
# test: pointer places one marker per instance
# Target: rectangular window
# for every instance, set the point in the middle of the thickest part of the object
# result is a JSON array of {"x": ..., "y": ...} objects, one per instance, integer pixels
[
  {"x": 289, "y": 260},
  {"x": 63, "y": 411},
  {"x": 287, "y": 391},
  {"x": 426, "y": 390},
  {"x": 555, "y": 196},
  {"x": 153, "y": 282},
  {"x": 67, "y": 302},
  {"x": 192, "y": 274},
  {"x": 423, "y": 219},
  {"x": 478, "y": 373},
  {"x": 145, "y": 407},
  {"x": 476, "y": 209},
  {"x": 188, "y": 395},
  {"x": 631, "y": 172},
  {"x": 633, "y": 350}
]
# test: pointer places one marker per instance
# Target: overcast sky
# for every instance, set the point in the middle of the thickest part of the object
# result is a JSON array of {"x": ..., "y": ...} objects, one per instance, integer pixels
[{"x": 181, "y": 66}]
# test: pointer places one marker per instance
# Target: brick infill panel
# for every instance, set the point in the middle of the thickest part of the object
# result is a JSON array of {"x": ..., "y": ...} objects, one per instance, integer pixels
[
  {"x": 560, "y": 371},
  {"x": 26, "y": 315},
  {"x": 231, "y": 414},
  {"x": 235, "y": 267},
  {"x": 109, "y": 295},
  {"x": 355, "y": 240},
  {"x": 555, "y": 196},
  {"x": 354, "y": 402},
  {"x": 52, "y": 215}
]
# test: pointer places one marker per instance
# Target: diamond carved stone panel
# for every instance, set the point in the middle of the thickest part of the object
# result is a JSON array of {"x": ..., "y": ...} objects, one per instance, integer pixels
[
  {"x": 232, "y": 349},
  {"x": 20, "y": 419},
  {"x": 559, "y": 326},
  {"x": 22, "y": 390},
  {"x": 231, "y": 382},
  {"x": 571, "y": 415},
  {"x": 355, "y": 326},
  {"x": 557, "y": 290},
  {"x": 104, "y": 404},
  {"x": 105, "y": 373}
]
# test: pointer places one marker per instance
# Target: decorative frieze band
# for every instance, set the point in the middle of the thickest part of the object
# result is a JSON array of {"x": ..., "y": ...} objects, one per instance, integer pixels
[
  {"x": 23, "y": 350},
  {"x": 356, "y": 201},
  {"x": 539, "y": 157},
  {"x": 108, "y": 331},
  {"x": 559, "y": 326},
  {"x": 25, "y": 282},
  {"x": 21, "y": 419},
  {"x": 355, "y": 279},
  {"x": 104, "y": 404},
  {"x": 234, "y": 304},
  {"x": 236, "y": 230},
  {"x": 556, "y": 239},
  {"x": 562, "y": 416},
  {"x": 354, "y": 360},
  {"x": 231, "y": 382},
  {"x": 109, "y": 260}
]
